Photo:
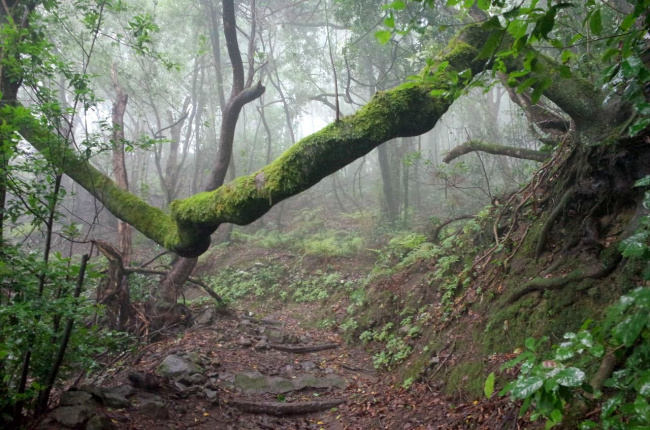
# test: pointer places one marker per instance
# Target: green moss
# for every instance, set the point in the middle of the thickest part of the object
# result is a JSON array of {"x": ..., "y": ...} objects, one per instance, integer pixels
[{"x": 468, "y": 378}]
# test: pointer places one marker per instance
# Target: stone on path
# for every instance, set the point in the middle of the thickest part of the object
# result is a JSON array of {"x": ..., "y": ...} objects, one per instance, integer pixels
[{"x": 174, "y": 367}]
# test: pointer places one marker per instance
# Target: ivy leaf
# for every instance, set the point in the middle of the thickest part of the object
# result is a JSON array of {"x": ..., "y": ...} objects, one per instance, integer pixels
[
  {"x": 488, "y": 388},
  {"x": 596, "y": 22},
  {"x": 390, "y": 21},
  {"x": 383, "y": 36}
]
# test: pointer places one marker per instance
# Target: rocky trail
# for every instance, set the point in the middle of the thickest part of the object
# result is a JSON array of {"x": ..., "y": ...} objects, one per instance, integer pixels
[{"x": 235, "y": 371}]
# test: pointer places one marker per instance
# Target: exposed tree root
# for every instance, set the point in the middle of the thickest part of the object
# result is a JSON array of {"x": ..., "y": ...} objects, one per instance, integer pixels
[
  {"x": 543, "y": 236},
  {"x": 194, "y": 281},
  {"x": 599, "y": 270},
  {"x": 280, "y": 409},
  {"x": 303, "y": 349},
  {"x": 438, "y": 229},
  {"x": 607, "y": 366}
]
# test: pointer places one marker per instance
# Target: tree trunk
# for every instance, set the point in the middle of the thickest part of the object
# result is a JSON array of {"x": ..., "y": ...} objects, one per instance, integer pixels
[
  {"x": 119, "y": 164},
  {"x": 242, "y": 92}
]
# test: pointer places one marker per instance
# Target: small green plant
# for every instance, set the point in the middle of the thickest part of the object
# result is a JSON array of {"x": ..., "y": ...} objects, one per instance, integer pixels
[{"x": 548, "y": 386}]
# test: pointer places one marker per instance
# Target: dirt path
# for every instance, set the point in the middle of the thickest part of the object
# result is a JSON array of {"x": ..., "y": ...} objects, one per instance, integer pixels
[{"x": 258, "y": 374}]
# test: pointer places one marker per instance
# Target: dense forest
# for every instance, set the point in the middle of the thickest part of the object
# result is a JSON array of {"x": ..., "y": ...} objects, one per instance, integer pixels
[{"x": 440, "y": 203}]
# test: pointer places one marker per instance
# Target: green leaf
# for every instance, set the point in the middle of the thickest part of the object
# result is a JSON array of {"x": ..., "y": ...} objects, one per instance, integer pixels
[
  {"x": 628, "y": 22},
  {"x": 524, "y": 387},
  {"x": 566, "y": 55},
  {"x": 383, "y": 36},
  {"x": 586, "y": 339},
  {"x": 517, "y": 28},
  {"x": 539, "y": 89},
  {"x": 631, "y": 66},
  {"x": 642, "y": 385},
  {"x": 396, "y": 5},
  {"x": 597, "y": 350},
  {"x": 548, "y": 22},
  {"x": 570, "y": 377},
  {"x": 628, "y": 330},
  {"x": 491, "y": 44},
  {"x": 530, "y": 344},
  {"x": 634, "y": 246},
  {"x": 483, "y": 4},
  {"x": 556, "y": 416},
  {"x": 642, "y": 409},
  {"x": 492, "y": 24},
  {"x": 488, "y": 388},
  {"x": 564, "y": 353},
  {"x": 641, "y": 296},
  {"x": 638, "y": 126},
  {"x": 389, "y": 21},
  {"x": 596, "y": 22}
]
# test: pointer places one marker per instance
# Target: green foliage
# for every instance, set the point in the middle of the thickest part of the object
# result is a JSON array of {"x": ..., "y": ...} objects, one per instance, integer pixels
[
  {"x": 309, "y": 238},
  {"x": 614, "y": 46},
  {"x": 547, "y": 386},
  {"x": 36, "y": 302},
  {"x": 270, "y": 282},
  {"x": 260, "y": 281}
]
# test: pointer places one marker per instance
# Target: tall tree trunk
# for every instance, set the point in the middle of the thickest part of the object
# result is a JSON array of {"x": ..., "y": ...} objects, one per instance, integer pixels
[
  {"x": 119, "y": 163},
  {"x": 243, "y": 92},
  {"x": 390, "y": 204}
]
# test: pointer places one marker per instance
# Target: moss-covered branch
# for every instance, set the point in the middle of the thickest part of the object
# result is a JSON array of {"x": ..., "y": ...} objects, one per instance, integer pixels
[
  {"x": 149, "y": 220},
  {"x": 495, "y": 149},
  {"x": 401, "y": 112}
]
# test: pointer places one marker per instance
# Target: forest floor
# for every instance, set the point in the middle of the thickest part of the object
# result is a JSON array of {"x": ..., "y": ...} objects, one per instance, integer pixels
[{"x": 249, "y": 362}]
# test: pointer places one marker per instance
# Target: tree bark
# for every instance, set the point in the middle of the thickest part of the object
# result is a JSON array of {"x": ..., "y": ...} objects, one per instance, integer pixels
[
  {"x": 494, "y": 149},
  {"x": 119, "y": 164}
]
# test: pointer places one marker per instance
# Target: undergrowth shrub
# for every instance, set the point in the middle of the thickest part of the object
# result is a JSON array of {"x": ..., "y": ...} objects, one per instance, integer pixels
[{"x": 36, "y": 304}]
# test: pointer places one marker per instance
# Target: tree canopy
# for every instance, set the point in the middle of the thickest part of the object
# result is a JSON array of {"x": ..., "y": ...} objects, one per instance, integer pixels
[{"x": 505, "y": 41}]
